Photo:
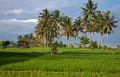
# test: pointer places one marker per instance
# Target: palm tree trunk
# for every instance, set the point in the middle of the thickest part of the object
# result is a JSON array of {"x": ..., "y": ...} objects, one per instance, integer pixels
[
  {"x": 89, "y": 37},
  {"x": 44, "y": 40},
  {"x": 99, "y": 41},
  {"x": 76, "y": 39},
  {"x": 107, "y": 40},
  {"x": 67, "y": 41},
  {"x": 57, "y": 33},
  {"x": 93, "y": 36}
]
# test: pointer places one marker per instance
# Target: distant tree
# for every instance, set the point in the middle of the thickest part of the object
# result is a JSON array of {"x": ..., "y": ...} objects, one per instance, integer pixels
[
  {"x": 5, "y": 44},
  {"x": 22, "y": 44},
  {"x": 93, "y": 45},
  {"x": 0, "y": 44},
  {"x": 67, "y": 29},
  {"x": 19, "y": 37},
  {"x": 77, "y": 28},
  {"x": 25, "y": 41},
  {"x": 109, "y": 24},
  {"x": 84, "y": 41},
  {"x": 12, "y": 44},
  {"x": 88, "y": 13},
  {"x": 99, "y": 20}
]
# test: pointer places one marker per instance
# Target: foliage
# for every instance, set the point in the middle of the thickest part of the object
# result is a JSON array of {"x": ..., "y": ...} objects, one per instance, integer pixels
[
  {"x": 25, "y": 41},
  {"x": 84, "y": 41},
  {"x": 5, "y": 44},
  {"x": 118, "y": 46},
  {"x": 67, "y": 29},
  {"x": 54, "y": 48},
  {"x": 23, "y": 44},
  {"x": 105, "y": 47},
  {"x": 47, "y": 28},
  {"x": 93, "y": 45},
  {"x": 51, "y": 25}
]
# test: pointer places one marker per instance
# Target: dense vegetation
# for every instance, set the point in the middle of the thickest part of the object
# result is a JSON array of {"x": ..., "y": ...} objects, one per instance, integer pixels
[{"x": 52, "y": 25}]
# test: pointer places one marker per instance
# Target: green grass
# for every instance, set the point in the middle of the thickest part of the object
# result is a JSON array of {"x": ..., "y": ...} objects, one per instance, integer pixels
[{"x": 68, "y": 62}]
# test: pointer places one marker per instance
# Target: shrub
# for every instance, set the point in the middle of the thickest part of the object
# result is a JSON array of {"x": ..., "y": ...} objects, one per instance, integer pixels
[
  {"x": 93, "y": 45},
  {"x": 54, "y": 48},
  {"x": 23, "y": 44},
  {"x": 84, "y": 41},
  {"x": 4, "y": 44}
]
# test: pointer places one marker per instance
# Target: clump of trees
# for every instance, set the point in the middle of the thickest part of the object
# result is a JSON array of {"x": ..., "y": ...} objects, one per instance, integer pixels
[
  {"x": 25, "y": 41},
  {"x": 7, "y": 44},
  {"x": 52, "y": 25}
]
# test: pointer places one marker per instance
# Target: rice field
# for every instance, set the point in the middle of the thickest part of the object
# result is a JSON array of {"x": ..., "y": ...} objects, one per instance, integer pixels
[{"x": 69, "y": 62}]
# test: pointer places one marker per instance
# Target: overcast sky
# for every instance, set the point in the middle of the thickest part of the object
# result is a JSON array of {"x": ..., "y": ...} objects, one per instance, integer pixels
[{"x": 18, "y": 17}]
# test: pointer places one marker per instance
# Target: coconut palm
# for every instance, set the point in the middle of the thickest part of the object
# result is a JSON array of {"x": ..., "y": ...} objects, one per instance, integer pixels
[
  {"x": 89, "y": 9},
  {"x": 39, "y": 31},
  {"x": 67, "y": 28},
  {"x": 88, "y": 14},
  {"x": 43, "y": 25},
  {"x": 77, "y": 28},
  {"x": 109, "y": 24},
  {"x": 56, "y": 19},
  {"x": 98, "y": 20}
]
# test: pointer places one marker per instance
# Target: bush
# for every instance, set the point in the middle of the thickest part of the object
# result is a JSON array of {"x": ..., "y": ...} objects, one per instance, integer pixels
[
  {"x": 93, "y": 45},
  {"x": 84, "y": 41},
  {"x": 60, "y": 44},
  {"x": 4, "y": 44},
  {"x": 105, "y": 47},
  {"x": 54, "y": 48},
  {"x": 23, "y": 44}
]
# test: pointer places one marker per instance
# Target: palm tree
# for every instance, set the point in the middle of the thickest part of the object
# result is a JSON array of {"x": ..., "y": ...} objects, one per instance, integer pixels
[
  {"x": 88, "y": 14},
  {"x": 109, "y": 24},
  {"x": 98, "y": 20},
  {"x": 77, "y": 28},
  {"x": 43, "y": 23},
  {"x": 67, "y": 28},
  {"x": 89, "y": 10},
  {"x": 39, "y": 31},
  {"x": 19, "y": 37},
  {"x": 56, "y": 19}
]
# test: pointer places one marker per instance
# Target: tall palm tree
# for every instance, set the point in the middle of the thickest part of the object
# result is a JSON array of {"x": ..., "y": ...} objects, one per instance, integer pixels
[
  {"x": 39, "y": 31},
  {"x": 109, "y": 24},
  {"x": 98, "y": 20},
  {"x": 89, "y": 9},
  {"x": 44, "y": 21},
  {"x": 67, "y": 28},
  {"x": 77, "y": 28},
  {"x": 88, "y": 14},
  {"x": 56, "y": 19}
]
